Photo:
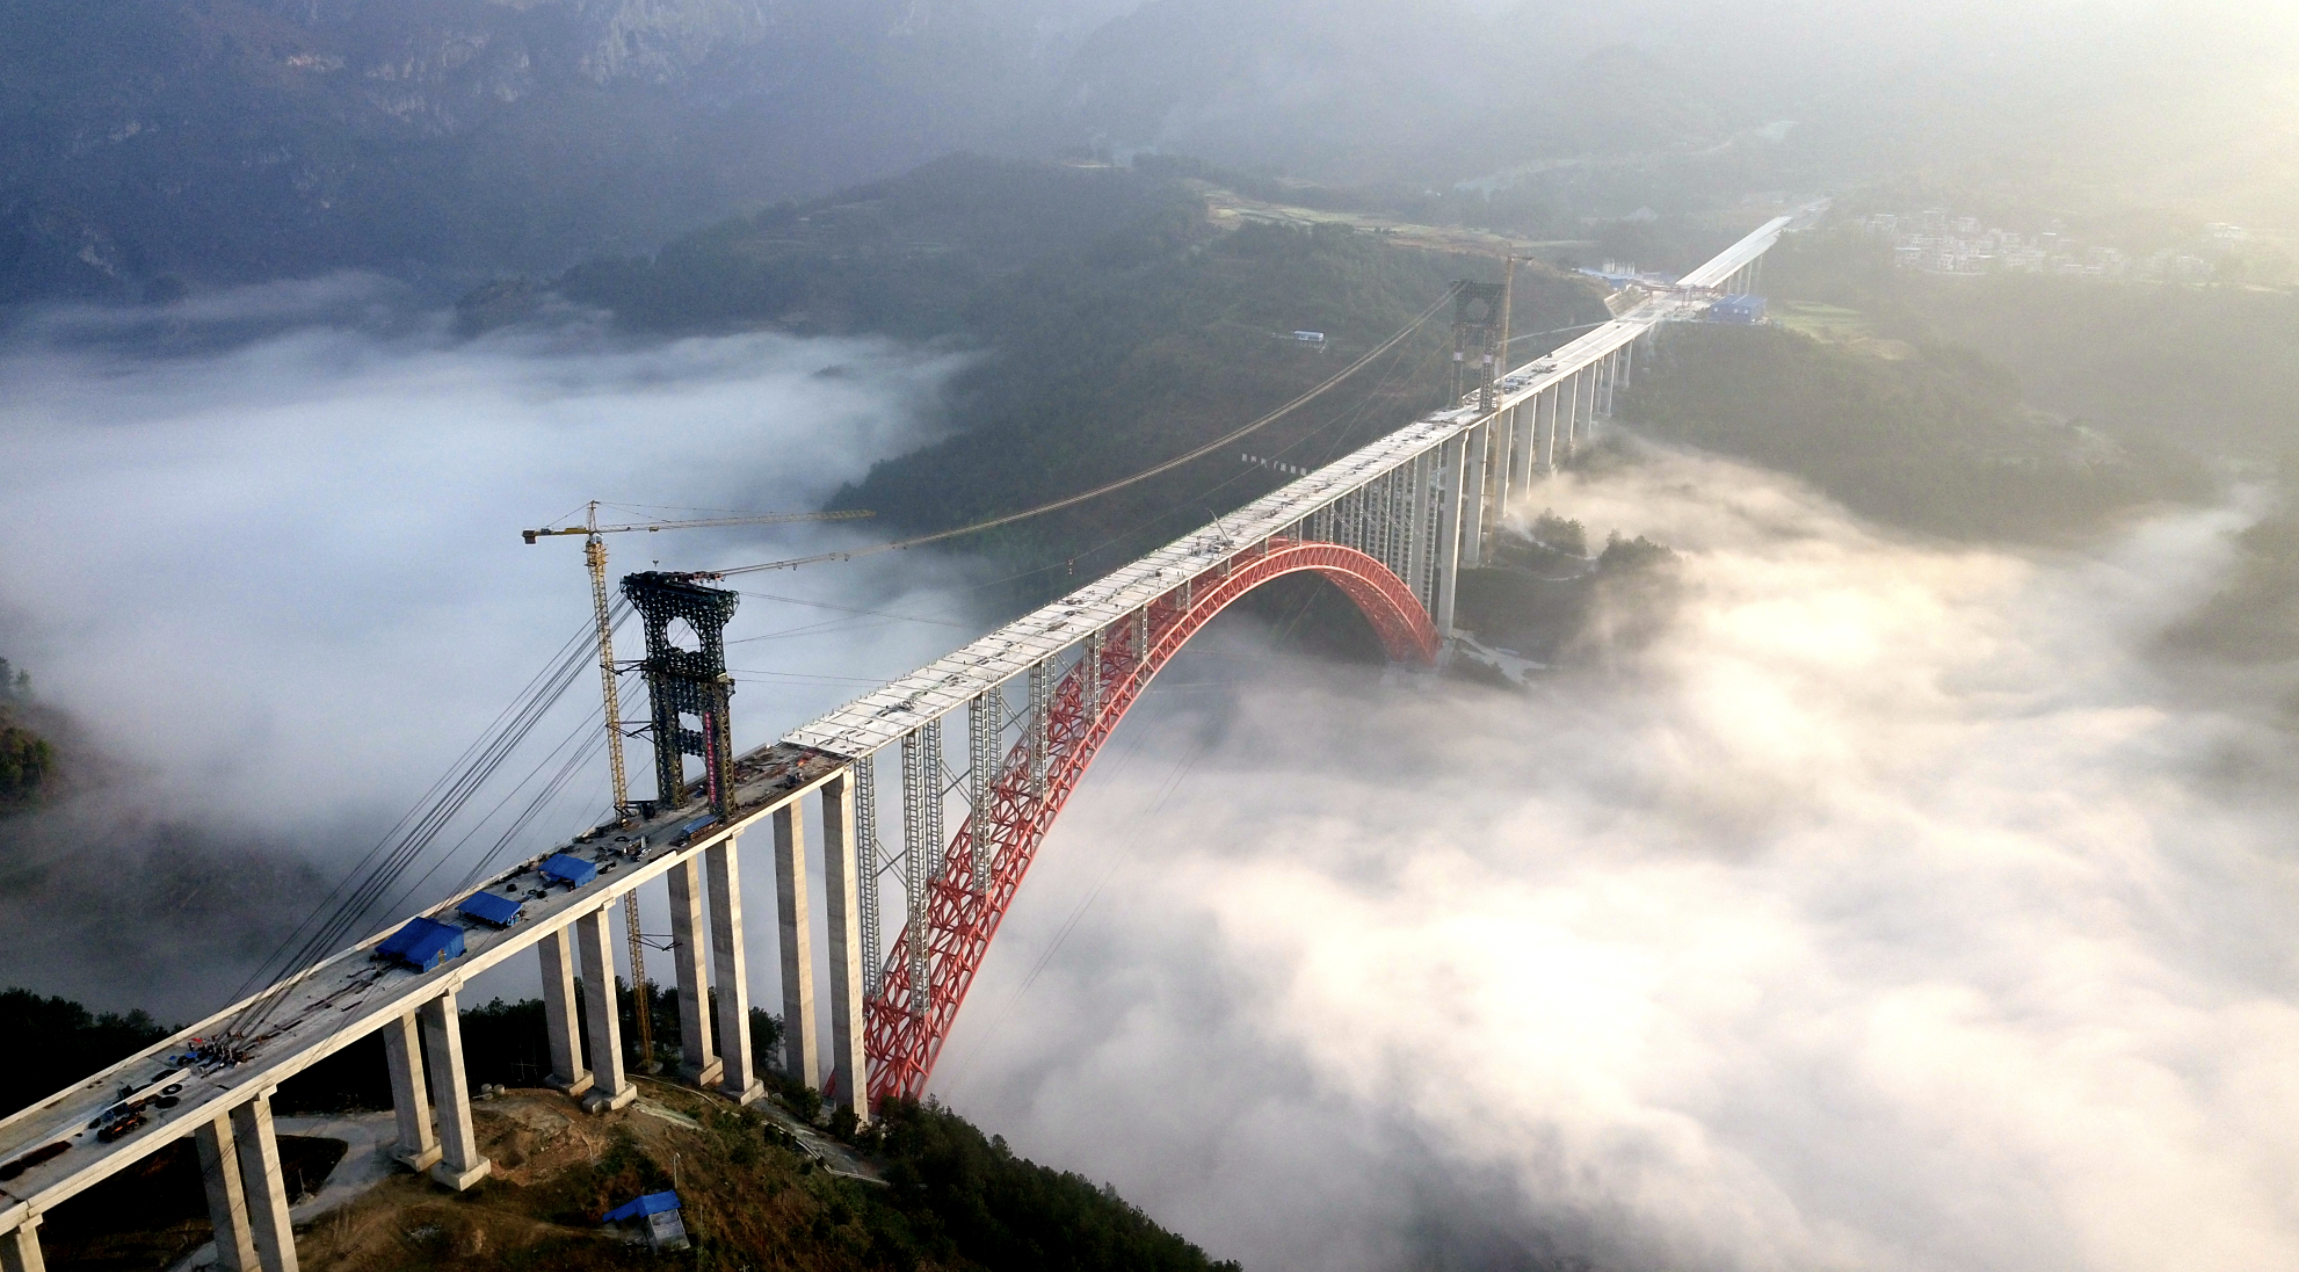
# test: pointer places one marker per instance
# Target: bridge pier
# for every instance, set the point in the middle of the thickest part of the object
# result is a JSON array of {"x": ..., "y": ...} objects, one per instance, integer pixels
[
  {"x": 1569, "y": 428},
  {"x": 842, "y": 865},
  {"x": 1493, "y": 495},
  {"x": 227, "y": 1195},
  {"x": 1545, "y": 429},
  {"x": 1472, "y": 516},
  {"x": 1524, "y": 418},
  {"x": 1041, "y": 722},
  {"x": 1418, "y": 513},
  {"x": 418, "y": 1148},
  {"x": 265, "y": 1185},
  {"x": 1448, "y": 562},
  {"x": 460, "y": 1164},
  {"x": 736, "y": 1076},
  {"x": 1584, "y": 418},
  {"x": 567, "y": 1071},
  {"x": 1560, "y": 426},
  {"x": 611, "y": 1085},
  {"x": 984, "y": 720},
  {"x": 20, "y": 1248},
  {"x": 1397, "y": 501},
  {"x": 801, "y": 1055},
  {"x": 1504, "y": 429},
  {"x": 698, "y": 1062}
]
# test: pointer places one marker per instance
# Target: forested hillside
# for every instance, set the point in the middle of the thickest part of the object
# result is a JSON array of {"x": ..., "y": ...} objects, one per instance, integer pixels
[
  {"x": 1116, "y": 327},
  {"x": 1941, "y": 441},
  {"x": 2209, "y": 367},
  {"x": 27, "y": 756},
  {"x": 752, "y": 1196},
  {"x": 232, "y": 140}
]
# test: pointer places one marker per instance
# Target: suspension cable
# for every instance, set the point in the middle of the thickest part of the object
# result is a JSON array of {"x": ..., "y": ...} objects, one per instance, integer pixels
[
  {"x": 1097, "y": 492},
  {"x": 376, "y": 873}
]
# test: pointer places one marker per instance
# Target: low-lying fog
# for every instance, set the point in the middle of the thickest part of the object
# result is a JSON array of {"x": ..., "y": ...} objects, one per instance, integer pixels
[
  {"x": 1888, "y": 906},
  {"x": 264, "y": 548},
  {"x": 1893, "y": 908}
]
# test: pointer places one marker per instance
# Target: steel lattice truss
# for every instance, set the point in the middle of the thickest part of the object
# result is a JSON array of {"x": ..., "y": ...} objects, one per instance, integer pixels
[
  {"x": 1416, "y": 504},
  {"x": 967, "y": 898},
  {"x": 687, "y": 682}
]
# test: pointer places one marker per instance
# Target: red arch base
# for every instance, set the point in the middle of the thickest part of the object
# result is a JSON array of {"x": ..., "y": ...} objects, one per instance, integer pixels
[{"x": 903, "y": 1035}]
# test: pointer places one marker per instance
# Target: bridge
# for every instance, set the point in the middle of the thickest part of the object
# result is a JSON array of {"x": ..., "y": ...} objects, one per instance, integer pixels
[{"x": 1392, "y": 525}]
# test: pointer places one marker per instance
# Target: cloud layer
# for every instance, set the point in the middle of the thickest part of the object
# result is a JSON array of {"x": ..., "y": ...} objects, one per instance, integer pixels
[
  {"x": 264, "y": 547},
  {"x": 1891, "y": 909},
  {"x": 1889, "y": 906}
]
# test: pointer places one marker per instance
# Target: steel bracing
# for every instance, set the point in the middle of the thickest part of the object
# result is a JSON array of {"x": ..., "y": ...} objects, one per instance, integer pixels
[
  {"x": 945, "y": 937},
  {"x": 1392, "y": 525},
  {"x": 1405, "y": 513}
]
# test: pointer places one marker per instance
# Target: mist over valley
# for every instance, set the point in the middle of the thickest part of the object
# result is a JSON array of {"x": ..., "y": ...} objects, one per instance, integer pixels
[{"x": 1844, "y": 823}]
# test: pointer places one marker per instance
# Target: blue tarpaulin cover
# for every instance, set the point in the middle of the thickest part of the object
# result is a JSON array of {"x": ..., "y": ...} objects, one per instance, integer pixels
[
  {"x": 573, "y": 870},
  {"x": 424, "y": 943},
  {"x": 491, "y": 907},
  {"x": 651, "y": 1204}
]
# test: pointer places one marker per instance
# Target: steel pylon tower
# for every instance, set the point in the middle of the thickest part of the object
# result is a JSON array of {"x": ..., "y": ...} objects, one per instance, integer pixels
[
  {"x": 1481, "y": 335},
  {"x": 595, "y": 559}
]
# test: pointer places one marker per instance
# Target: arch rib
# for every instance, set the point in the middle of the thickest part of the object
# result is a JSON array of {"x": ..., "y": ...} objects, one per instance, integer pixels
[{"x": 962, "y": 914}]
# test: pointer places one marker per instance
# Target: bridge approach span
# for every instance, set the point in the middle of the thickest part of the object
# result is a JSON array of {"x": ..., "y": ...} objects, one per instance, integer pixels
[{"x": 1393, "y": 524}]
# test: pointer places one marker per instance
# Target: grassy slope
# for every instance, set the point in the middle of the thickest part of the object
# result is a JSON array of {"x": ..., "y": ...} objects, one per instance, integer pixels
[{"x": 955, "y": 1198}]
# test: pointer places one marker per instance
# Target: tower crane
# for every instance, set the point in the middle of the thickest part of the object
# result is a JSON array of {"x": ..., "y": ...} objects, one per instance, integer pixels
[{"x": 595, "y": 556}]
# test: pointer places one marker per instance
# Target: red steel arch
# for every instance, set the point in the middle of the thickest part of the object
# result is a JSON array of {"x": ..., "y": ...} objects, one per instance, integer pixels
[{"x": 904, "y": 1036}]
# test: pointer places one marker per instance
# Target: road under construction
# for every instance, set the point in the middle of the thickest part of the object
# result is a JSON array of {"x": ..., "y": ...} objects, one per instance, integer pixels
[{"x": 913, "y": 886}]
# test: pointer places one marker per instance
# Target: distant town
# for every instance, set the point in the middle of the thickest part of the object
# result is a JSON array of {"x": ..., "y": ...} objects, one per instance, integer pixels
[{"x": 1937, "y": 241}]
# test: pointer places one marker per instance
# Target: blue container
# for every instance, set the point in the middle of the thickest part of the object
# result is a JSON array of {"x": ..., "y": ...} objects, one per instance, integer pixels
[
  {"x": 657, "y": 1215},
  {"x": 492, "y": 908},
  {"x": 651, "y": 1204},
  {"x": 423, "y": 944},
  {"x": 572, "y": 871}
]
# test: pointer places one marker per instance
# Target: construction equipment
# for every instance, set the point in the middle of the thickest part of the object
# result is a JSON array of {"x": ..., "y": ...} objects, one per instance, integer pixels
[
  {"x": 595, "y": 557},
  {"x": 1481, "y": 336}
]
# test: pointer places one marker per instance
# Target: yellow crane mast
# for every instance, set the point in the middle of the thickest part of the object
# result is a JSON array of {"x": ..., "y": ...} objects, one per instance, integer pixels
[{"x": 595, "y": 557}]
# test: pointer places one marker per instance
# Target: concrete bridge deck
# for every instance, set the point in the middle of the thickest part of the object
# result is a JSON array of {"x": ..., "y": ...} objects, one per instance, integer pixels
[{"x": 1419, "y": 503}]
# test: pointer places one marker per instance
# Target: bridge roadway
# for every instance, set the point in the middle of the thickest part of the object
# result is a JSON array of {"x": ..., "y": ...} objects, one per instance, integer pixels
[{"x": 1421, "y": 502}]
